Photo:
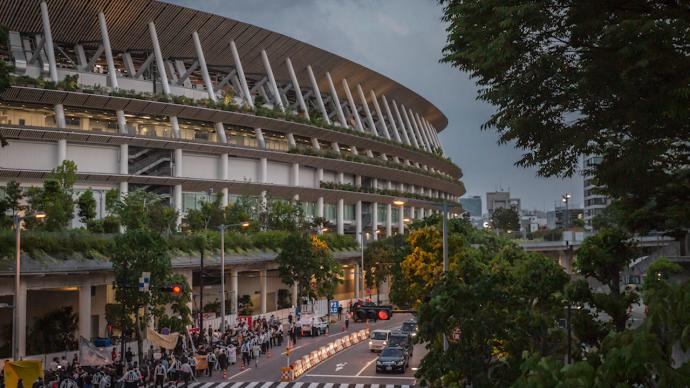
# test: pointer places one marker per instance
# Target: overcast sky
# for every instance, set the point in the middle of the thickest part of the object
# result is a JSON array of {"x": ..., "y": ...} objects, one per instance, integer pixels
[{"x": 403, "y": 40}]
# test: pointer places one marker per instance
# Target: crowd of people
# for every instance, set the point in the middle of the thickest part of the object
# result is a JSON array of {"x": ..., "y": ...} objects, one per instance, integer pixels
[{"x": 201, "y": 353}]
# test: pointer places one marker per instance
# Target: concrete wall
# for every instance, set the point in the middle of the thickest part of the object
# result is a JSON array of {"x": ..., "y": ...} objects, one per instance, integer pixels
[
  {"x": 29, "y": 155},
  {"x": 91, "y": 158}
]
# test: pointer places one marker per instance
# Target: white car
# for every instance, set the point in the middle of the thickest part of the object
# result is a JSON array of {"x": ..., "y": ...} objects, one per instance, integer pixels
[{"x": 378, "y": 340}]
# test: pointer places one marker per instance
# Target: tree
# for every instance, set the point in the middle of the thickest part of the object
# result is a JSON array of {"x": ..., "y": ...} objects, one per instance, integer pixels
[
  {"x": 379, "y": 257},
  {"x": 137, "y": 251},
  {"x": 307, "y": 261},
  {"x": 55, "y": 198},
  {"x": 506, "y": 219},
  {"x": 603, "y": 257},
  {"x": 210, "y": 215},
  {"x": 12, "y": 203},
  {"x": 588, "y": 78},
  {"x": 140, "y": 209},
  {"x": 87, "y": 207},
  {"x": 54, "y": 332}
]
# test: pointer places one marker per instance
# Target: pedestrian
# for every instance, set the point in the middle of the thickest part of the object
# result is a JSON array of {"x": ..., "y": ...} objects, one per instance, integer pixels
[
  {"x": 340, "y": 311},
  {"x": 186, "y": 371},
  {"x": 129, "y": 355},
  {"x": 245, "y": 353},
  {"x": 347, "y": 320},
  {"x": 257, "y": 352},
  {"x": 223, "y": 361},
  {"x": 211, "y": 360},
  {"x": 232, "y": 354},
  {"x": 159, "y": 375}
]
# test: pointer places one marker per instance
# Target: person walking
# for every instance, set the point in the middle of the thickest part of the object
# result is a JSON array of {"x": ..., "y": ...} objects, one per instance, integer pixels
[
  {"x": 347, "y": 320},
  {"x": 186, "y": 371},
  {"x": 245, "y": 353},
  {"x": 257, "y": 353},
  {"x": 159, "y": 375},
  {"x": 211, "y": 360}
]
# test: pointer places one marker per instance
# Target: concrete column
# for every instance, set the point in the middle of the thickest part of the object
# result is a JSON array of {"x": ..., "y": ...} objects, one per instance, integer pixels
[
  {"x": 85, "y": 310},
  {"x": 367, "y": 112},
  {"x": 21, "y": 301},
  {"x": 408, "y": 125},
  {"x": 357, "y": 271},
  {"x": 317, "y": 95},
  {"x": 295, "y": 85},
  {"x": 418, "y": 133},
  {"x": 358, "y": 221},
  {"x": 121, "y": 122},
  {"x": 162, "y": 72},
  {"x": 319, "y": 207},
  {"x": 340, "y": 215},
  {"x": 61, "y": 151},
  {"x": 403, "y": 131},
  {"x": 295, "y": 178},
  {"x": 223, "y": 175},
  {"x": 379, "y": 113},
  {"x": 422, "y": 130},
  {"x": 374, "y": 220},
  {"x": 272, "y": 81},
  {"x": 389, "y": 220},
  {"x": 48, "y": 36},
  {"x": 263, "y": 281},
  {"x": 401, "y": 219},
  {"x": 353, "y": 107},
  {"x": 391, "y": 119},
  {"x": 202, "y": 66},
  {"x": 336, "y": 101},
  {"x": 112, "y": 73},
  {"x": 234, "y": 275},
  {"x": 240, "y": 72},
  {"x": 263, "y": 170}
]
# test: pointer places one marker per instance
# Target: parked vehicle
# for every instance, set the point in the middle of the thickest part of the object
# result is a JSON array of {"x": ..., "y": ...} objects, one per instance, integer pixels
[
  {"x": 378, "y": 340},
  {"x": 307, "y": 320},
  {"x": 392, "y": 359}
]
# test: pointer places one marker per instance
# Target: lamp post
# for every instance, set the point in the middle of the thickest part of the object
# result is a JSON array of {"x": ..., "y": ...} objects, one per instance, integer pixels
[
  {"x": 445, "y": 257},
  {"x": 18, "y": 219},
  {"x": 222, "y": 270},
  {"x": 566, "y": 218}
]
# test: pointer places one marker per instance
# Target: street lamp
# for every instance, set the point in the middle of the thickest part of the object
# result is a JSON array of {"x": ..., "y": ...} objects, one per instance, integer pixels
[
  {"x": 398, "y": 202},
  {"x": 565, "y": 198},
  {"x": 18, "y": 219},
  {"x": 222, "y": 271}
]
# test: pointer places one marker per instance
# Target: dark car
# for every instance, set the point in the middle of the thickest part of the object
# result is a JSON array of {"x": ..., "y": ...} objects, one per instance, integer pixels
[
  {"x": 401, "y": 339},
  {"x": 392, "y": 359},
  {"x": 410, "y": 326}
]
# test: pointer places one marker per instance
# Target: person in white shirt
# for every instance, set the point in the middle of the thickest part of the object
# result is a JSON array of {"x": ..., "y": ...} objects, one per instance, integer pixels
[
  {"x": 159, "y": 375},
  {"x": 186, "y": 371}
]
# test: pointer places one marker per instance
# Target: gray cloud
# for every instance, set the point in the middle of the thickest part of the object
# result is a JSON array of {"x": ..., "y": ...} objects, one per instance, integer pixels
[{"x": 403, "y": 39}]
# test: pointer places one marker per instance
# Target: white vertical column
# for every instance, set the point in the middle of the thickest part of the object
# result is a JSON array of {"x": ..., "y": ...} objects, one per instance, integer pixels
[
  {"x": 336, "y": 101},
  {"x": 272, "y": 81},
  {"x": 432, "y": 130},
  {"x": 339, "y": 216},
  {"x": 357, "y": 276},
  {"x": 202, "y": 66},
  {"x": 317, "y": 95},
  {"x": 422, "y": 130},
  {"x": 263, "y": 280},
  {"x": 223, "y": 175},
  {"x": 367, "y": 112},
  {"x": 124, "y": 168},
  {"x": 375, "y": 211},
  {"x": 240, "y": 72},
  {"x": 377, "y": 109},
  {"x": 48, "y": 36},
  {"x": 353, "y": 107},
  {"x": 20, "y": 303},
  {"x": 413, "y": 135},
  {"x": 112, "y": 74},
  {"x": 358, "y": 220},
  {"x": 396, "y": 135},
  {"x": 295, "y": 85},
  {"x": 295, "y": 178},
  {"x": 403, "y": 129},
  {"x": 159, "y": 58},
  {"x": 418, "y": 132},
  {"x": 85, "y": 310},
  {"x": 234, "y": 276}
]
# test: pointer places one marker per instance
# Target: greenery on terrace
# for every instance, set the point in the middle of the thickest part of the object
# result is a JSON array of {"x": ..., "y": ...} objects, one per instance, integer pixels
[
  {"x": 71, "y": 84},
  {"x": 331, "y": 154},
  {"x": 270, "y": 224},
  {"x": 371, "y": 190}
]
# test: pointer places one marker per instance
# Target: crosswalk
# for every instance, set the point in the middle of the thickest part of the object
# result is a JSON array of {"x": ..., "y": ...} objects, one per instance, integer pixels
[{"x": 297, "y": 384}]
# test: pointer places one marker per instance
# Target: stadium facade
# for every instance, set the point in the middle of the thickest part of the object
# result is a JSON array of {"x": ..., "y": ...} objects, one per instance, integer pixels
[{"x": 146, "y": 95}]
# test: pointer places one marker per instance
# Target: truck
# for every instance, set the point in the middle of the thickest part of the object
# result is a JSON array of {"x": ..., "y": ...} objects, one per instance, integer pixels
[
  {"x": 305, "y": 322},
  {"x": 362, "y": 311}
]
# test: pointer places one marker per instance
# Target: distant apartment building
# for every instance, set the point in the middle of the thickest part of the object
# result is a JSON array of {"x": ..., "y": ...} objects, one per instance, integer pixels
[
  {"x": 472, "y": 205},
  {"x": 501, "y": 199},
  {"x": 557, "y": 219},
  {"x": 595, "y": 203},
  {"x": 532, "y": 220}
]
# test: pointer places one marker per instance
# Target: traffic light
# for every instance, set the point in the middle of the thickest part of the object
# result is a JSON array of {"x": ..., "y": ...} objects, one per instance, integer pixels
[
  {"x": 383, "y": 315},
  {"x": 175, "y": 289}
]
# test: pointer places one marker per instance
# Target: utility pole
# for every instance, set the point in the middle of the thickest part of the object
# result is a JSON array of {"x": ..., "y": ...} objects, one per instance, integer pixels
[{"x": 445, "y": 258}]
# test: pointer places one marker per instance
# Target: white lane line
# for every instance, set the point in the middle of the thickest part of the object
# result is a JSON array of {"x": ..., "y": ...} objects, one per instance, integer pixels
[
  {"x": 237, "y": 374},
  {"x": 237, "y": 385},
  {"x": 364, "y": 377},
  {"x": 283, "y": 384},
  {"x": 328, "y": 385},
  {"x": 266, "y": 385},
  {"x": 253, "y": 383},
  {"x": 365, "y": 367},
  {"x": 359, "y": 386}
]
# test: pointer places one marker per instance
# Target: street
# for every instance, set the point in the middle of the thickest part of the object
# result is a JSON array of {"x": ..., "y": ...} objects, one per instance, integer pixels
[{"x": 354, "y": 365}]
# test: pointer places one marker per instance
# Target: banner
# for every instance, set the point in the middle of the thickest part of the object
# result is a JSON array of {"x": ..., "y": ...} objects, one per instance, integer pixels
[
  {"x": 27, "y": 370},
  {"x": 90, "y": 355},
  {"x": 164, "y": 341}
]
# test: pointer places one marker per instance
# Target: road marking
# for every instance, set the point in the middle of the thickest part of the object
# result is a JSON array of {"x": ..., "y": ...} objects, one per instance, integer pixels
[
  {"x": 340, "y": 366},
  {"x": 364, "y": 377},
  {"x": 253, "y": 383},
  {"x": 313, "y": 385},
  {"x": 366, "y": 366},
  {"x": 237, "y": 374}
]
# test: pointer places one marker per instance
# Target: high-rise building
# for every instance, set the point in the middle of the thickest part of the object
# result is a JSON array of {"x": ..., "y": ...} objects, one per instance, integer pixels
[
  {"x": 501, "y": 199},
  {"x": 557, "y": 219},
  {"x": 472, "y": 205},
  {"x": 594, "y": 202}
]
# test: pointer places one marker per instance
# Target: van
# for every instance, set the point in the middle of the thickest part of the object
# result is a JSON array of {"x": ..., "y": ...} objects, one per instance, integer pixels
[{"x": 378, "y": 339}]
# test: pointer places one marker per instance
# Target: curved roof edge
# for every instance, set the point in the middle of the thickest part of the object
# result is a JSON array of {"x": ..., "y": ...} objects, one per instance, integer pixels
[{"x": 127, "y": 25}]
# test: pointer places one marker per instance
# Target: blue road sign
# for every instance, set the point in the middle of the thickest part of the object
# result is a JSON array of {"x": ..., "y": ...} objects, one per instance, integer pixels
[{"x": 334, "y": 306}]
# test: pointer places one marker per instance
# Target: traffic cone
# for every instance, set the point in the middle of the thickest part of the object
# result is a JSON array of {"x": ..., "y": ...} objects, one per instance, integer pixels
[
  {"x": 225, "y": 374},
  {"x": 268, "y": 353}
]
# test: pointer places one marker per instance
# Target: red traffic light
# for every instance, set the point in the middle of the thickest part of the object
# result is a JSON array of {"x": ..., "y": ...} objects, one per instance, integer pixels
[
  {"x": 383, "y": 315},
  {"x": 176, "y": 289}
]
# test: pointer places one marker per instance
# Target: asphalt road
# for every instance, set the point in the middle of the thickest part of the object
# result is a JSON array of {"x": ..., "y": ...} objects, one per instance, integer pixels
[{"x": 353, "y": 365}]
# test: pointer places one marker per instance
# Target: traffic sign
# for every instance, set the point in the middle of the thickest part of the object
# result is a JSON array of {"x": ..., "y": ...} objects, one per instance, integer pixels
[{"x": 334, "y": 306}]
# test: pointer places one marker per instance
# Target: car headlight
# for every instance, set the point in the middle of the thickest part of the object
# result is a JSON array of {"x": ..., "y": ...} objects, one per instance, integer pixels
[
  {"x": 385, "y": 343},
  {"x": 370, "y": 342}
]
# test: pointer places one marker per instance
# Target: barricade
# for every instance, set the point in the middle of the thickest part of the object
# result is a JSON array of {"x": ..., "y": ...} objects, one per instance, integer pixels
[
  {"x": 353, "y": 338},
  {"x": 330, "y": 349},
  {"x": 306, "y": 362},
  {"x": 324, "y": 352},
  {"x": 338, "y": 345},
  {"x": 286, "y": 374},
  {"x": 314, "y": 357},
  {"x": 362, "y": 335},
  {"x": 297, "y": 368}
]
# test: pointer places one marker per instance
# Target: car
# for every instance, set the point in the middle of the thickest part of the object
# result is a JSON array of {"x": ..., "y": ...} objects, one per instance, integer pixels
[
  {"x": 306, "y": 321},
  {"x": 392, "y": 359},
  {"x": 401, "y": 339},
  {"x": 378, "y": 340},
  {"x": 410, "y": 326}
]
